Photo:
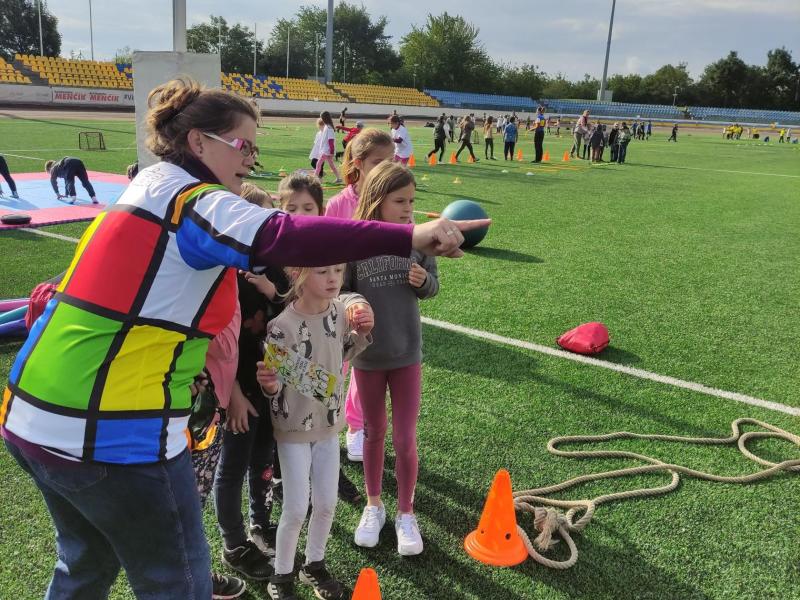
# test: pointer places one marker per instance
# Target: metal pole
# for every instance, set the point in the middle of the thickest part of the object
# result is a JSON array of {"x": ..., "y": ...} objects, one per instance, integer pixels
[
  {"x": 91, "y": 30},
  {"x": 255, "y": 47},
  {"x": 288, "y": 34},
  {"x": 608, "y": 51},
  {"x": 179, "y": 25},
  {"x": 316, "y": 57},
  {"x": 41, "y": 37},
  {"x": 329, "y": 44},
  {"x": 344, "y": 62}
]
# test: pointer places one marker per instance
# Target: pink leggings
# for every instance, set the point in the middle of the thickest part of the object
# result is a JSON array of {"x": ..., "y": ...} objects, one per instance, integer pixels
[
  {"x": 405, "y": 387},
  {"x": 352, "y": 405},
  {"x": 326, "y": 158}
]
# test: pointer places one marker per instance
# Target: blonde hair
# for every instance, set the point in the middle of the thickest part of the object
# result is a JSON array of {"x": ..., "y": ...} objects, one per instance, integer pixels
[
  {"x": 359, "y": 148},
  {"x": 180, "y": 105},
  {"x": 255, "y": 195},
  {"x": 300, "y": 181},
  {"x": 49, "y": 165},
  {"x": 297, "y": 277},
  {"x": 384, "y": 179}
]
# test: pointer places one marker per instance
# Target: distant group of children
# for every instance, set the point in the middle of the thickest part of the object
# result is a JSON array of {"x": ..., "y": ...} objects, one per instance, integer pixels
[{"x": 68, "y": 168}]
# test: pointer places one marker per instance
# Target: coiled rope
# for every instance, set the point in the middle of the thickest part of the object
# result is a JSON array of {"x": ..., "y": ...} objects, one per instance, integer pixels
[{"x": 548, "y": 520}]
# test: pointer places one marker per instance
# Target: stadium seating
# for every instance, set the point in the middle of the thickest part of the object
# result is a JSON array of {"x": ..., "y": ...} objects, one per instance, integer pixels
[
  {"x": 8, "y": 74},
  {"x": 262, "y": 86},
  {"x": 76, "y": 73},
  {"x": 382, "y": 94},
  {"x": 483, "y": 101},
  {"x": 614, "y": 109},
  {"x": 744, "y": 115}
]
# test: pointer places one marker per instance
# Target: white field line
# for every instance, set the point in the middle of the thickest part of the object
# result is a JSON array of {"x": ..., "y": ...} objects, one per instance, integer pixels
[
  {"x": 49, "y": 234},
  {"x": 586, "y": 360},
  {"x": 640, "y": 373},
  {"x": 73, "y": 149}
]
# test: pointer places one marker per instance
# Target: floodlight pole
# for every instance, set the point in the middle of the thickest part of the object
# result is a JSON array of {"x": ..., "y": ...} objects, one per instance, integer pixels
[
  {"x": 255, "y": 47},
  {"x": 179, "y": 25},
  {"x": 329, "y": 44},
  {"x": 91, "y": 30},
  {"x": 288, "y": 35},
  {"x": 608, "y": 51},
  {"x": 41, "y": 37}
]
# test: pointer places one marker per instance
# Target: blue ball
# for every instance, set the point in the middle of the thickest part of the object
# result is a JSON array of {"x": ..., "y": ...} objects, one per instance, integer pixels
[{"x": 466, "y": 210}]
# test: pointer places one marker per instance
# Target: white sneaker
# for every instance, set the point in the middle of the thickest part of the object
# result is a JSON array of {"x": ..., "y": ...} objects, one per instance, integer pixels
[
  {"x": 409, "y": 539},
  {"x": 355, "y": 445},
  {"x": 369, "y": 528},
  {"x": 94, "y": 200}
]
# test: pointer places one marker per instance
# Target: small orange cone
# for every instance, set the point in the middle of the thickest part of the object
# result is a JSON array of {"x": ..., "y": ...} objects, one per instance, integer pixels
[
  {"x": 432, "y": 160},
  {"x": 367, "y": 587},
  {"x": 412, "y": 162},
  {"x": 470, "y": 159},
  {"x": 496, "y": 541},
  {"x": 546, "y": 157},
  {"x": 565, "y": 158},
  {"x": 519, "y": 155},
  {"x": 453, "y": 160}
]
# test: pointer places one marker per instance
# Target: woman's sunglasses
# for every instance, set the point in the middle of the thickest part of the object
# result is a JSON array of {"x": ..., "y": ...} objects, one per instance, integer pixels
[{"x": 244, "y": 147}]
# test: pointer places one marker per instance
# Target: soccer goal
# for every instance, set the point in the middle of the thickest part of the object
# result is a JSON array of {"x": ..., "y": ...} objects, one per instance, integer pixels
[{"x": 91, "y": 140}]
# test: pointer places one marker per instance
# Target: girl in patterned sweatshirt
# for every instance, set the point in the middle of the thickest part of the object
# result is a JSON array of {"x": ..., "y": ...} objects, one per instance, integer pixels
[{"x": 301, "y": 376}]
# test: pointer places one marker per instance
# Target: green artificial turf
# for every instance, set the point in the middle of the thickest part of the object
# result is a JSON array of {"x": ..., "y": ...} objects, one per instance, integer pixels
[{"x": 688, "y": 253}]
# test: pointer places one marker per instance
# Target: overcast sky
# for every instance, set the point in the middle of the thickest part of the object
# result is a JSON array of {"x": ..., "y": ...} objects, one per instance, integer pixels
[{"x": 569, "y": 39}]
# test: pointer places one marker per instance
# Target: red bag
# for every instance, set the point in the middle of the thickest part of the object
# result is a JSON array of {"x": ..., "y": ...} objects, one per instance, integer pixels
[
  {"x": 589, "y": 338},
  {"x": 40, "y": 296}
]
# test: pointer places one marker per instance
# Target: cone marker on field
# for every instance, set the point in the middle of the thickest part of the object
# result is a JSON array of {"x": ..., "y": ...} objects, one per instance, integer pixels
[
  {"x": 496, "y": 541},
  {"x": 432, "y": 160},
  {"x": 565, "y": 158},
  {"x": 470, "y": 159},
  {"x": 367, "y": 587},
  {"x": 546, "y": 157},
  {"x": 519, "y": 155},
  {"x": 453, "y": 160},
  {"x": 282, "y": 172},
  {"x": 412, "y": 162}
]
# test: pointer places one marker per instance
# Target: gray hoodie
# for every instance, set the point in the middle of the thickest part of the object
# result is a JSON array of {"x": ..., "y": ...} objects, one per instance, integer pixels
[{"x": 397, "y": 335}]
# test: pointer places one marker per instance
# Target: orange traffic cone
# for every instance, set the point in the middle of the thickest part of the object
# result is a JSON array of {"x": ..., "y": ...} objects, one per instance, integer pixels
[
  {"x": 519, "y": 155},
  {"x": 546, "y": 157},
  {"x": 496, "y": 541},
  {"x": 565, "y": 158},
  {"x": 367, "y": 587},
  {"x": 453, "y": 160},
  {"x": 470, "y": 159},
  {"x": 412, "y": 162},
  {"x": 432, "y": 160}
]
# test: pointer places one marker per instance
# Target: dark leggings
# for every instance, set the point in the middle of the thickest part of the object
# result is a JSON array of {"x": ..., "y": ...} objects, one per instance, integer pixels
[
  {"x": 438, "y": 147},
  {"x": 77, "y": 169},
  {"x": 465, "y": 143},
  {"x": 489, "y": 146},
  {"x": 314, "y": 166},
  {"x": 248, "y": 453},
  {"x": 508, "y": 150},
  {"x": 7, "y": 174}
]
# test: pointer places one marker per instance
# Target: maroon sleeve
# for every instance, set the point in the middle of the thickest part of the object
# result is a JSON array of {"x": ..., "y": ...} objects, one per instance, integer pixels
[
  {"x": 331, "y": 147},
  {"x": 289, "y": 240}
]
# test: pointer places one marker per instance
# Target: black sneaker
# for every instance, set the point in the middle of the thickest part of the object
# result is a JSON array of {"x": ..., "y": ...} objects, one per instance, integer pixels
[
  {"x": 248, "y": 560},
  {"x": 281, "y": 587},
  {"x": 325, "y": 586},
  {"x": 348, "y": 490},
  {"x": 225, "y": 587},
  {"x": 264, "y": 538}
]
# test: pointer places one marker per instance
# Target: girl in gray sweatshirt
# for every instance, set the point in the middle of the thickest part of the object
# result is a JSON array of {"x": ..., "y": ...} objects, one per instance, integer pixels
[{"x": 393, "y": 287}]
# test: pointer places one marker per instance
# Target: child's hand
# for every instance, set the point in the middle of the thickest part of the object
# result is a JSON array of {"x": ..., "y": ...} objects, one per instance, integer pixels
[
  {"x": 417, "y": 275},
  {"x": 267, "y": 378},
  {"x": 239, "y": 410},
  {"x": 360, "y": 317},
  {"x": 262, "y": 284},
  {"x": 199, "y": 384}
]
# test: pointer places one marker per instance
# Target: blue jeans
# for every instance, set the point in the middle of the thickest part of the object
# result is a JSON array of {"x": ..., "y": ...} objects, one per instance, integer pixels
[
  {"x": 145, "y": 518},
  {"x": 621, "y": 152}
]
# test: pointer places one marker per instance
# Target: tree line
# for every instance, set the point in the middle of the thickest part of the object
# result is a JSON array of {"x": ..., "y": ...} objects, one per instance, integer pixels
[{"x": 445, "y": 52}]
